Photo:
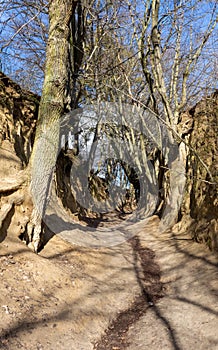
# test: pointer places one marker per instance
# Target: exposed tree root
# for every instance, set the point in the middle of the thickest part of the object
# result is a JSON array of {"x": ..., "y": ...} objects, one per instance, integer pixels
[
  {"x": 34, "y": 231},
  {"x": 28, "y": 225},
  {"x": 5, "y": 209},
  {"x": 12, "y": 184}
]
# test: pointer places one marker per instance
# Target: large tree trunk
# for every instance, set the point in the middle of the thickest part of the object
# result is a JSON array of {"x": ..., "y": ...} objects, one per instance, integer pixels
[
  {"x": 52, "y": 107},
  {"x": 55, "y": 101}
]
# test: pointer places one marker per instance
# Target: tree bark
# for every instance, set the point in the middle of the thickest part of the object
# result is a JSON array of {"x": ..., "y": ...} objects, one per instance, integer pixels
[{"x": 53, "y": 105}]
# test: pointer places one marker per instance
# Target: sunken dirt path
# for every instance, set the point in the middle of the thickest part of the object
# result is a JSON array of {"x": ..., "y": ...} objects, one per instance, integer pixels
[{"x": 153, "y": 292}]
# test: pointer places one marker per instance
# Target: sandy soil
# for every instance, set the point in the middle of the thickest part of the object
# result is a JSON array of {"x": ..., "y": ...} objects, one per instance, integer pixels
[{"x": 153, "y": 292}]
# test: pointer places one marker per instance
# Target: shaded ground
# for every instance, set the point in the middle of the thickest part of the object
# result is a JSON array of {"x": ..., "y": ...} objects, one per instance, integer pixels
[{"x": 70, "y": 297}]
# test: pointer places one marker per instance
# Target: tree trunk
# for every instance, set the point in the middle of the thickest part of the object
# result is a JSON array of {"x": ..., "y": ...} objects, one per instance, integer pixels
[
  {"x": 52, "y": 107},
  {"x": 64, "y": 55},
  {"x": 56, "y": 100}
]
